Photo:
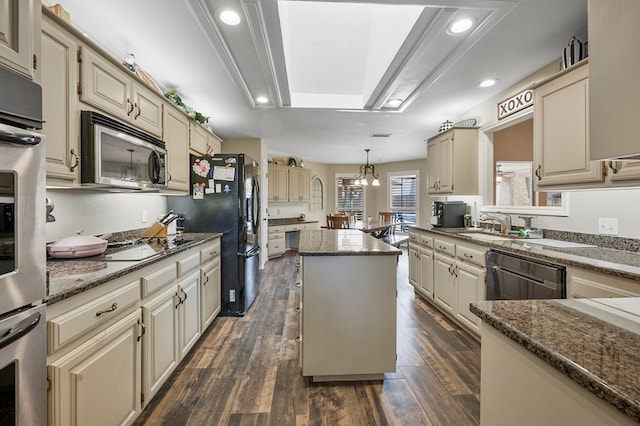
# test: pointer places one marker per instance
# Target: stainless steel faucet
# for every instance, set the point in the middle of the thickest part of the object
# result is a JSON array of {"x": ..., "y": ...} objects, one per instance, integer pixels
[{"x": 505, "y": 222}]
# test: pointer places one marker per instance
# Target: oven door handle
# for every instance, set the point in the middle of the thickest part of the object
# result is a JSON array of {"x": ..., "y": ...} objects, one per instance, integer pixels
[
  {"x": 19, "y": 330},
  {"x": 26, "y": 139}
]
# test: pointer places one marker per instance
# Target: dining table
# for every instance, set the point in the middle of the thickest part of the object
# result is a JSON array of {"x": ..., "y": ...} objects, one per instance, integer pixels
[{"x": 376, "y": 228}]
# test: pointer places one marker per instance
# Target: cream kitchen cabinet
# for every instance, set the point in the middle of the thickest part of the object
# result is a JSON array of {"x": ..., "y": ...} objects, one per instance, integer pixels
[
  {"x": 452, "y": 162},
  {"x": 176, "y": 136},
  {"x": 470, "y": 276},
  {"x": 60, "y": 108},
  {"x": 188, "y": 296},
  {"x": 421, "y": 263},
  {"x": 210, "y": 283},
  {"x": 20, "y": 35},
  {"x": 561, "y": 132},
  {"x": 202, "y": 141},
  {"x": 276, "y": 245},
  {"x": 114, "y": 90},
  {"x": 278, "y": 183},
  {"x": 444, "y": 278},
  {"x": 590, "y": 285},
  {"x": 299, "y": 185}
]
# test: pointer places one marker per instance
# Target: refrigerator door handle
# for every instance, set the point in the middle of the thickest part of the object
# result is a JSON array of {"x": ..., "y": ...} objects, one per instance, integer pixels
[
  {"x": 254, "y": 251},
  {"x": 256, "y": 199}
]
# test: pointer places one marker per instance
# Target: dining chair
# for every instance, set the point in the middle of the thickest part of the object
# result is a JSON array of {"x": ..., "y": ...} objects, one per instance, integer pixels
[
  {"x": 337, "y": 222},
  {"x": 385, "y": 217}
]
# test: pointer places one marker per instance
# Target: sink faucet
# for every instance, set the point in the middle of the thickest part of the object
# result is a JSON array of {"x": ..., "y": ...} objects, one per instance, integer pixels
[{"x": 505, "y": 223}]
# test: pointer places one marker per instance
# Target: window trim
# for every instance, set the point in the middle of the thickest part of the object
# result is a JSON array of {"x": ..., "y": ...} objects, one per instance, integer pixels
[{"x": 317, "y": 178}]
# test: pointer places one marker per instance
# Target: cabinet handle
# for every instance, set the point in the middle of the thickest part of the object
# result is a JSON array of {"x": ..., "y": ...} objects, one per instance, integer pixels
[
  {"x": 213, "y": 253},
  {"x": 143, "y": 331},
  {"x": 442, "y": 248},
  {"x": 538, "y": 170},
  {"x": 77, "y": 160},
  {"x": 613, "y": 168},
  {"x": 468, "y": 256},
  {"x": 298, "y": 309},
  {"x": 129, "y": 107},
  {"x": 179, "y": 300},
  {"x": 298, "y": 339},
  {"x": 298, "y": 285},
  {"x": 455, "y": 270},
  {"x": 185, "y": 295},
  {"x": 109, "y": 309},
  {"x": 206, "y": 280},
  {"x": 450, "y": 273},
  {"x": 139, "y": 111}
]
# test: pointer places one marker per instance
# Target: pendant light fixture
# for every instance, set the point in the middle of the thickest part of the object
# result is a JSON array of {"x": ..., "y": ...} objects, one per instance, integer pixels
[{"x": 361, "y": 178}]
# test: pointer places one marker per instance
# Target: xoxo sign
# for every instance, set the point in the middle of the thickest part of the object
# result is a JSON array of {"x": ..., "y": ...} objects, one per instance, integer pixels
[{"x": 515, "y": 103}]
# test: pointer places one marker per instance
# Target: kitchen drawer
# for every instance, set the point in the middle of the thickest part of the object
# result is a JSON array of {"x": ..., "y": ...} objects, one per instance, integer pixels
[
  {"x": 210, "y": 251},
  {"x": 471, "y": 255},
  {"x": 159, "y": 279},
  {"x": 189, "y": 263},
  {"x": 293, "y": 228},
  {"x": 276, "y": 247},
  {"x": 414, "y": 237},
  {"x": 444, "y": 247},
  {"x": 66, "y": 327},
  {"x": 276, "y": 236},
  {"x": 273, "y": 229},
  {"x": 426, "y": 241}
]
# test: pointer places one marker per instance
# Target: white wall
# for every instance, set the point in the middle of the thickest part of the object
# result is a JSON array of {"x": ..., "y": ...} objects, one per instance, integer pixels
[{"x": 97, "y": 213}]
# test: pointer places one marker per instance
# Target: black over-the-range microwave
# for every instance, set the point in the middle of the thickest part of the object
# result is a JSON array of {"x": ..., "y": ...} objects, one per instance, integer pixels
[{"x": 117, "y": 156}]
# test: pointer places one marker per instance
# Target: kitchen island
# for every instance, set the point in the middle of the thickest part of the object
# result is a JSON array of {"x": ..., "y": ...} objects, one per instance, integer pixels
[
  {"x": 560, "y": 362},
  {"x": 348, "y": 305}
]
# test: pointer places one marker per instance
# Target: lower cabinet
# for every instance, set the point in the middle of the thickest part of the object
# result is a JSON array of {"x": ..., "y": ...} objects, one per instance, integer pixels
[
  {"x": 111, "y": 348},
  {"x": 98, "y": 383},
  {"x": 470, "y": 288},
  {"x": 591, "y": 285},
  {"x": 444, "y": 291}
]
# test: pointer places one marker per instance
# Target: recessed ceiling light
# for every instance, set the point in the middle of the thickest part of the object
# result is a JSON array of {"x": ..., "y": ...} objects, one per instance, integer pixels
[
  {"x": 262, "y": 100},
  {"x": 229, "y": 17},
  {"x": 488, "y": 82},
  {"x": 394, "y": 103},
  {"x": 461, "y": 25}
]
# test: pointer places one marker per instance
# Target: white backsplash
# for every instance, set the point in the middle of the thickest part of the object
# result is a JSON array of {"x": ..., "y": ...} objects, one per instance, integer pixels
[{"x": 99, "y": 213}]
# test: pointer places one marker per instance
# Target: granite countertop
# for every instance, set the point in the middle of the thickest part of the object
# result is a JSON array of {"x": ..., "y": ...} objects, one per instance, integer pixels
[
  {"x": 288, "y": 221},
  {"x": 594, "y": 342},
  {"x": 342, "y": 242},
  {"x": 617, "y": 262},
  {"x": 68, "y": 277}
]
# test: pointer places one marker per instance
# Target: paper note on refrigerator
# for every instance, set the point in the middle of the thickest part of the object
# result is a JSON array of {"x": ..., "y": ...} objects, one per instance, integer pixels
[{"x": 224, "y": 173}]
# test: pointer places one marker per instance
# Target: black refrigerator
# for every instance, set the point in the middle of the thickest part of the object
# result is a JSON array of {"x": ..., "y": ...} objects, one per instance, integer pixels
[{"x": 225, "y": 197}]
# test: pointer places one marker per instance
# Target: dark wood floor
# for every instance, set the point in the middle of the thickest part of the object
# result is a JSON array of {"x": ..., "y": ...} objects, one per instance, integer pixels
[{"x": 244, "y": 371}]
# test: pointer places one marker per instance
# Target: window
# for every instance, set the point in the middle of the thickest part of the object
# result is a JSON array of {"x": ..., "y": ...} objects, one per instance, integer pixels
[
  {"x": 317, "y": 195},
  {"x": 403, "y": 196},
  {"x": 349, "y": 196}
]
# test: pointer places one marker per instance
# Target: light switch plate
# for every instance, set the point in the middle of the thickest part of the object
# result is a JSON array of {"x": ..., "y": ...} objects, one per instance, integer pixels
[{"x": 608, "y": 226}]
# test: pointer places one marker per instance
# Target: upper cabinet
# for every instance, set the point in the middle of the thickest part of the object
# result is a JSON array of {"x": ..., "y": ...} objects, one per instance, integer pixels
[
  {"x": 561, "y": 131},
  {"x": 278, "y": 183},
  {"x": 60, "y": 104},
  {"x": 109, "y": 88},
  {"x": 299, "y": 185},
  {"x": 20, "y": 35},
  {"x": 176, "y": 135},
  {"x": 614, "y": 89},
  {"x": 203, "y": 142},
  {"x": 452, "y": 162}
]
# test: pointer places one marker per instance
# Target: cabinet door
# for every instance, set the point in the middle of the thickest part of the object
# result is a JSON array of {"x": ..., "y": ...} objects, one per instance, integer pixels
[
  {"x": 189, "y": 312},
  {"x": 105, "y": 368},
  {"x": 299, "y": 185},
  {"x": 433, "y": 166},
  {"x": 444, "y": 282},
  {"x": 197, "y": 139},
  {"x": 104, "y": 85},
  {"x": 445, "y": 179},
  {"x": 278, "y": 184},
  {"x": 17, "y": 34},
  {"x": 561, "y": 131},
  {"x": 214, "y": 144},
  {"x": 426, "y": 272},
  {"x": 160, "y": 342},
  {"x": 60, "y": 105},
  {"x": 210, "y": 293},
  {"x": 470, "y": 285},
  {"x": 622, "y": 171},
  {"x": 176, "y": 135},
  {"x": 414, "y": 266},
  {"x": 147, "y": 112}
]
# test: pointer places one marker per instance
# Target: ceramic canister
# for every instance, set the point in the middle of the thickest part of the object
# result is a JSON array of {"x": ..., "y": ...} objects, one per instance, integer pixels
[{"x": 573, "y": 53}]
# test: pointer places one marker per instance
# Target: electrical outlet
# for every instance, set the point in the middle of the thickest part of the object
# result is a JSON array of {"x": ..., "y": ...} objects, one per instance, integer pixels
[
  {"x": 608, "y": 226},
  {"x": 232, "y": 295},
  {"x": 144, "y": 216}
]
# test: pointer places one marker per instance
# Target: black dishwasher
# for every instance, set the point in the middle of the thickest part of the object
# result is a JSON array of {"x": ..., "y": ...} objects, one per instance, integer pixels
[{"x": 511, "y": 277}]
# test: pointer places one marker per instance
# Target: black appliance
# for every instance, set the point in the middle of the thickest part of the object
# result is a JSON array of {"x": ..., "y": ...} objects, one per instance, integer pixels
[
  {"x": 512, "y": 277},
  {"x": 448, "y": 214},
  {"x": 225, "y": 197}
]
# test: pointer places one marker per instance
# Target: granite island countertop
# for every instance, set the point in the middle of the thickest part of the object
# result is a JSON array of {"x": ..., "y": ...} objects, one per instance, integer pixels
[
  {"x": 616, "y": 262},
  {"x": 343, "y": 242},
  {"x": 68, "y": 277},
  {"x": 594, "y": 342}
]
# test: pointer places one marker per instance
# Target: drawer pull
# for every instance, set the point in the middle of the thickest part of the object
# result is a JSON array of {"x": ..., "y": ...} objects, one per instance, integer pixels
[
  {"x": 298, "y": 285},
  {"x": 470, "y": 256},
  {"x": 106, "y": 311},
  {"x": 213, "y": 253},
  {"x": 298, "y": 339},
  {"x": 442, "y": 248},
  {"x": 298, "y": 309}
]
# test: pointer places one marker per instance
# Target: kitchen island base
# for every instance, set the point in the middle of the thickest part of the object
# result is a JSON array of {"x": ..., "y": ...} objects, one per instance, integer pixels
[
  {"x": 348, "y": 306},
  {"x": 517, "y": 387}
]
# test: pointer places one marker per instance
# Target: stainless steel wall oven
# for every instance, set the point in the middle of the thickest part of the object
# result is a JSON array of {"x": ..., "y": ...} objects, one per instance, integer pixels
[{"x": 22, "y": 253}]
